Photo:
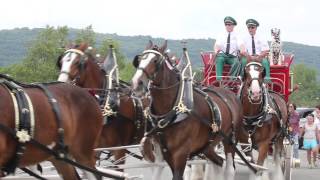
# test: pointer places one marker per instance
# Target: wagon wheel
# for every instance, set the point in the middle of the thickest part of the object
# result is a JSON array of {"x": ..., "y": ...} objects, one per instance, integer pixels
[{"x": 287, "y": 162}]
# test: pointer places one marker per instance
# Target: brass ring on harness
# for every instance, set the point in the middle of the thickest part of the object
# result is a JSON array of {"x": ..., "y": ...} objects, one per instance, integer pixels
[
  {"x": 214, "y": 127},
  {"x": 260, "y": 123},
  {"x": 162, "y": 126}
]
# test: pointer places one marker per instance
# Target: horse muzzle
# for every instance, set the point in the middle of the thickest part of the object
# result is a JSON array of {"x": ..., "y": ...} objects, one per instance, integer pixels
[
  {"x": 64, "y": 77},
  {"x": 139, "y": 89},
  {"x": 255, "y": 96}
]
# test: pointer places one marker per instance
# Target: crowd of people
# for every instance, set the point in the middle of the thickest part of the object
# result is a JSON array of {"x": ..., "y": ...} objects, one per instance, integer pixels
[{"x": 309, "y": 131}]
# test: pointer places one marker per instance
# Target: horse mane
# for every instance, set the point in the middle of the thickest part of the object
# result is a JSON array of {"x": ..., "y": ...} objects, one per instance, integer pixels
[{"x": 26, "y": 85}]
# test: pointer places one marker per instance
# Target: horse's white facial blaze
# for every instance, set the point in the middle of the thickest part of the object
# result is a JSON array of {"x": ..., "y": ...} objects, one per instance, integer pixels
[
  {"x": 255, "y": 87},
  {"x": 66, "y": 63},
  {"x": 146, "y": 59}
]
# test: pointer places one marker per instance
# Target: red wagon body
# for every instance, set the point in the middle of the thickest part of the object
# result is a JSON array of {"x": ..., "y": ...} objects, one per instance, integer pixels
[{"x": 281, "y": 77}]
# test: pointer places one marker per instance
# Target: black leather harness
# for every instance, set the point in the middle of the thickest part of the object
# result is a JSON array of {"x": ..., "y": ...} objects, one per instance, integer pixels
[{"x": 24, "y": 124}]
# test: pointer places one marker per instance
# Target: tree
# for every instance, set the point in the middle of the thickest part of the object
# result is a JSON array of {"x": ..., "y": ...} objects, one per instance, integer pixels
[
  {"x": 103, "y": 50},
  {"x": 308, "y": 93},
  {"x": 39, "y": 64},
  {"x": 127, "y": 72},
  {"x": 87, "y": 35}
]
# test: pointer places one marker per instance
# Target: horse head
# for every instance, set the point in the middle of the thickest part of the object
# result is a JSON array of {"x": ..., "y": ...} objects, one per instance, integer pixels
[
  {"x": 253, "y": 81},
  {"x": 148, "y": 65},
  {"x": 73, "y": 62}
]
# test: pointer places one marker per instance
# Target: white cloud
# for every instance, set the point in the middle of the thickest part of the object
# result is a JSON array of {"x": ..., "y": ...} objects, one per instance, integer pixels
[{"x": 167, "y": 18}]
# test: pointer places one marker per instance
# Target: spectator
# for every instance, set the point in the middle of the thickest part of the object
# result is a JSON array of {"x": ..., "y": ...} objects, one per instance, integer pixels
[
  {"x": 294, "y": 128},
  {"x": 311, "y": 135},
  {"x": 316, "y": 114}
]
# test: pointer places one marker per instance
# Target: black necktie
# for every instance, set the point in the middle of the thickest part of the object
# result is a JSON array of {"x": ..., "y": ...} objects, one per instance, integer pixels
[
  {"x": 228, "y": 44},
  {"x": 253, "y": 47}
]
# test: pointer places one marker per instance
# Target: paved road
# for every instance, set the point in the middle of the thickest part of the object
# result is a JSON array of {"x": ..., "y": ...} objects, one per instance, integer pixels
[
  {"x": 304, "y": 173},
  {"x": 242, "y": 172},
  {"x": 301, "y": 173}
]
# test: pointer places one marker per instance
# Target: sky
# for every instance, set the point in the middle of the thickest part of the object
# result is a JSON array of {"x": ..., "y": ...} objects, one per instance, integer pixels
[{"x": 169, "y": 19}]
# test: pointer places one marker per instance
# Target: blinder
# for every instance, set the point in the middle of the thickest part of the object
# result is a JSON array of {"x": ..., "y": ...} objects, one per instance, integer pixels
[
  {"x": 136, "y": 61},
  {"x": 58, "y": 64},
  {"x": 82, "y": 63}
]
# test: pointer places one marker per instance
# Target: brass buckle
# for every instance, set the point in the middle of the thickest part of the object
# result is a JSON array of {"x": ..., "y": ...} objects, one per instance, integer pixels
[
  {"x": 214, "y": 127},
  {"x": 164, "y": 125}
]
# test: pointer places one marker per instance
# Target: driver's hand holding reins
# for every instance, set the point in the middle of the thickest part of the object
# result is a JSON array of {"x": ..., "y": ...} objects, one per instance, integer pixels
[{"x": 255, "y": 58}]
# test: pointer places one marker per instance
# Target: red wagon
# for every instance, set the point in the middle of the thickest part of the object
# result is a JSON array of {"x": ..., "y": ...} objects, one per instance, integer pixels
[{"x": 281, "y": 77}]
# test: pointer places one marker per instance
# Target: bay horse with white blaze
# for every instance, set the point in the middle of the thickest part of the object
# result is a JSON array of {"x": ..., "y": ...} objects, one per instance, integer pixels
[
  {"x": 218, "y": 108},
  {"x": 64, "y": 118},
  {"x": 125, "y": 126},
  {"x": 265, "y": 114}
]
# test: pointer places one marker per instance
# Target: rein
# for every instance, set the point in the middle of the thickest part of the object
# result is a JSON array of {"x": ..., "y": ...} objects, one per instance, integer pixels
[{"x": 157, "y": 87}]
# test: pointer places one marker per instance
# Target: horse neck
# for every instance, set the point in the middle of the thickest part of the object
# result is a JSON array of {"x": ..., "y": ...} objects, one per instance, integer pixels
[
  {"x": 93, "y": 76},
  {"x": 249, "y": 109},
  {"x": 163, "y": 99}
]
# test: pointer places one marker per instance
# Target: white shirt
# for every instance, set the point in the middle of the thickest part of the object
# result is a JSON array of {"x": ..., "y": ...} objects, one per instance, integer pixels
[
  {"x": 316, "y": 118},
  {"x": 221, "y": 43},
  {"x": 260, "y": 44}
]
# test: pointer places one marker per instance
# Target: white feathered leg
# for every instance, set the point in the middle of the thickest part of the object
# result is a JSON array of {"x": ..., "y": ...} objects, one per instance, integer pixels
[
  {"x": 157, "y": 170},
  {"x": 197, "y": 172},
  {"x": 277, "y": 171},
  {"x": 229, "y": 171},
  {"x": 213, "y": 170},
  {"x": 187, "y": 173}
]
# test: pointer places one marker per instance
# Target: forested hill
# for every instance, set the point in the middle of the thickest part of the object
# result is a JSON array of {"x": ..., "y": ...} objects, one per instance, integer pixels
[{"x": 14, "y": 44}]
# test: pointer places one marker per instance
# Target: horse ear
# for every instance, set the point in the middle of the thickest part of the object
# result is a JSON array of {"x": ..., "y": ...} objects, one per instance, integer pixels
[
  {"x": 164, "y": 46},
  {"x": 83, "y": 47},
  {"x": 149, "y": 45},
  {"x": 136, "y": 61}
]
